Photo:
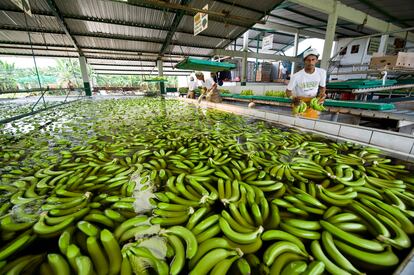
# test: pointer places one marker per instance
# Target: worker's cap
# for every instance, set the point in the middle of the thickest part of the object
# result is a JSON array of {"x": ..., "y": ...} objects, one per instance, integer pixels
[
  {"x": 311, "y": 51},
  {"x": 199, "y": 74}
]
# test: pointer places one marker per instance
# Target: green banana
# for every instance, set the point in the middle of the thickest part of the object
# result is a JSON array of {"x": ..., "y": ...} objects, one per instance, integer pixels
[
  {"x": 112, "y": 251},
  {"x": 351, "y": 238},
  {"x": 178, "y": 261},
  {"x": 278, "y": 248},
  {"x": 207, "y": 246},
  {"x": 208, "y": 261},
  {"x": 97, "y": 255},
  {"x": 242, "y": 238},
  {"x": 336, "y": 255},
  {"x": 281, "y": 261},
  {"x": 301, "y": 233},
  {"x": 187, "y": 236},
  {"x": 15, "y": 245},
  {"x": 381, "y": 259},
  {"x": 331, "y": 267}
]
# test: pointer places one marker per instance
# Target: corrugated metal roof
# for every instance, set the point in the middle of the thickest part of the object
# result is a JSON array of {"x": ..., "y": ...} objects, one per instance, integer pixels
[
  {"x": 399, "y": 9},
  {"x": 38, "y": 52},
  {"x": 86, "y": 42},
  {"x": 200, "y": 40},
  {"x": 117, "y": 39},
  {"x": 116, "y": 11},
  {"x": 18, "y": 36},
  {"x": 37, "y": 21},
  {"x": 188, "y": 51},
  {"x": 78, "y": 26}
]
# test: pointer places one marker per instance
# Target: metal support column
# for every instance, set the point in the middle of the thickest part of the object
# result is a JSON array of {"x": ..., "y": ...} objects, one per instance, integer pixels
[
  {"x": 329, "y": 36},
  {"x": 295, "y": 52},
  {"x": 256, "y": 64},
  {"x": 382, "y": 49},
  {"x": 365, "y": 49},
  {"x": 161, "y": 73},
  {"x": 85, "y": 76},
  {"x": 244, "y": 60}
]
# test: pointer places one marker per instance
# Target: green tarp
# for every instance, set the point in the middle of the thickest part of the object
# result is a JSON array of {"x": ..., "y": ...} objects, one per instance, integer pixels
[
  {"x": 195, "y": 64},
  {"x": 329, "y": 102},
  {"x": 359, "y": 84}
]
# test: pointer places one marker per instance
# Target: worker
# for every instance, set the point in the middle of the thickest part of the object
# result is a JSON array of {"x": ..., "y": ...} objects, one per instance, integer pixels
[
  {"x": 192, "y": 85},
  {"x": 209, "y": 89},
  {"x": 308, "y": 83}
]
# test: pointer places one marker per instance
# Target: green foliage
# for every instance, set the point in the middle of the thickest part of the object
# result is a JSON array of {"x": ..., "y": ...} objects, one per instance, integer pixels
[
  {"x": 68, "y": 69},
  {"x": 7, "y": 70},
  {"x": 247, "y": 92},
  {"x": 275, "y": 93}
]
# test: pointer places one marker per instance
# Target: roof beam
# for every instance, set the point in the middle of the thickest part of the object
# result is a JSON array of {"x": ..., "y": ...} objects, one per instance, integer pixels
[
  {"x": 86, "y": 49},
  {"x": 139, "y": 70},
  {"x": 88, "y": 56},
  {"x": 272, "y": 32},
  {"x": 174, "y": 26},
  {"x": 138, "y": 39},
  {"x": 143, "y": 73},
  {"x": 56, "y": 12},
  {"x": 126, "y": 65},
  {"x": 288, "y": 29},
  {"x": 353, "y": 15},
  {"x": 255, "y": 55}
]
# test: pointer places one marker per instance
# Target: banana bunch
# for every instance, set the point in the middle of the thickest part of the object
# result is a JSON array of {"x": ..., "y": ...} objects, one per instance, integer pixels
[
  {"x": 300, "y": 108},
  {"x": 314, "y": 104}
]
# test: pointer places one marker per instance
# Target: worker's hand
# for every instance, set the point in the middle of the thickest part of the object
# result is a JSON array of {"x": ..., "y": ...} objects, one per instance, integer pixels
[
  {"x": 295, "y": 100},
  {"x": 321, "y": 99}
]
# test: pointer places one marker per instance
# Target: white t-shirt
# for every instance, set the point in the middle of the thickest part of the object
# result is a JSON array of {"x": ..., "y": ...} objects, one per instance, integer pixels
[
  {"x": 207, "y": 83},
  {"x": 192, "y": 85},
  {"x": 307, "y": 85}
]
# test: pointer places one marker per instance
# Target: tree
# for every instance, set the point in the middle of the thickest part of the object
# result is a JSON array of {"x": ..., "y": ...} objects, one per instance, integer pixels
[
  {"x": 7, "y": 76},
  {"x": 68, "y": 70}
]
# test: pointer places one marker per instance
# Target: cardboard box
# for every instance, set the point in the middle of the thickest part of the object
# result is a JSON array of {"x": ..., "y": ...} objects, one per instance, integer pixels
[{"x": 403, "y": 61}]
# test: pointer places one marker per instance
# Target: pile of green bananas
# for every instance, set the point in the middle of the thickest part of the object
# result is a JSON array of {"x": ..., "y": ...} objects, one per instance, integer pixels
[
  {"x": 152, "y": 186},
  {"x": 275, "y": 93},
  {"x": 246, "y": 92},
  {"x": 314, "y": 104},
  {"x": 300, "y": 108},
  {"x": 224, "y": 91}
]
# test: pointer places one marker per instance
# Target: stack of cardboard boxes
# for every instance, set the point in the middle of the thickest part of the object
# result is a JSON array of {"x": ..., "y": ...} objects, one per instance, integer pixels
[
  {"x": 264, "y": 72},
  {"x": 403, "y": 60}
]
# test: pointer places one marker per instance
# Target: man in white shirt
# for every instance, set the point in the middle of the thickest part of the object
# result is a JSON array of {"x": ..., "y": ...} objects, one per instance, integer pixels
[
  {"x": 192, "y": 85},
  {"x": 209, "y": 88},
  {"x": 308, "y": 83}
]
